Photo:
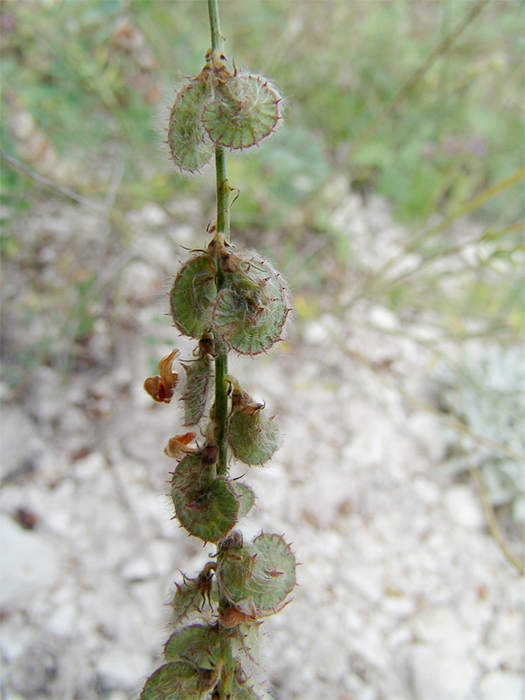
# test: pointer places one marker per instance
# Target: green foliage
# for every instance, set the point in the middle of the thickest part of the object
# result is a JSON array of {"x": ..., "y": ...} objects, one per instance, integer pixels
[{"x": 92, "y": 71}]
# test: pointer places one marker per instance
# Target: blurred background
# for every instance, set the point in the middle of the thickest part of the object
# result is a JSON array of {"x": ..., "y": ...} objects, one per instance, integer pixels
[{"x": 392, "y": 200}]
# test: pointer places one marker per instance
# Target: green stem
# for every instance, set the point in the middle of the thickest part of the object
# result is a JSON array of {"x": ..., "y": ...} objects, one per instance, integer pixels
[
  {"x": 221, "y": 362},
  {"x": 222, "y": 226},
  {"x": 225, "y": 686},
  {"x": 215, "y": 25}
]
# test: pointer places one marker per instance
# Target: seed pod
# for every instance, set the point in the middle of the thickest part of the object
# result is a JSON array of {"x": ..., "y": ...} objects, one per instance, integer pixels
[
  {"x": 189, "y": 145},
  {"x": 259, "y": 577},
  {"x": 179, "y": 681},
  {"x": 253, "y": 436},
  {"x": 244, "y": 110},
  {"x": 206, "y": 506},
  {"x": 198, "y": 375},
  {"x": 196, "y": 643},
  {"x": 192, "y": 295},
  {"x": 249, "y": 313}
]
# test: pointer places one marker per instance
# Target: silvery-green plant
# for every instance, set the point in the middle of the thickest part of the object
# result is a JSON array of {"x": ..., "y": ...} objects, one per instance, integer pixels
[
  {"x": 487, "y": 392},
  {"x": 227, "y": 300}
]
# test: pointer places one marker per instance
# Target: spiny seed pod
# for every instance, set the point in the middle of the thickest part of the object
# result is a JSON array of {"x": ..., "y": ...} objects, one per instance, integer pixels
[
  {"x": 192, "y": 295},
  {"x": 206, "y": 506},
  {"x": 253, "y": 436},
  {"x": 244, "y": 110},
  {"x": 180, "y": 681},
  {"x": 198, "y": 375},
  {"x": 260, "y": 577},
  {"x": 189, "y": 145},
  {"x": 250, "y": 312},
  {"x": 196, "y": 643}
]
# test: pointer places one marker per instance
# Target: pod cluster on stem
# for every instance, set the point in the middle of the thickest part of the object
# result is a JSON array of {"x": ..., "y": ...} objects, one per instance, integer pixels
[{"x": 227, "y": 300}]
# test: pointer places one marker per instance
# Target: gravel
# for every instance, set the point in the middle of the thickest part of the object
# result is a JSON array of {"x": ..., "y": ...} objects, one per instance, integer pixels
[{"x": 403, "y": 594}]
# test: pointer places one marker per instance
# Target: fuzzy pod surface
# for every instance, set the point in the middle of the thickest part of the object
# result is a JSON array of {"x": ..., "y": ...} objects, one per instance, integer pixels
[
  {"x": 177, "y": 681},
  {"x": 192, "y": 295},
  {"x": 198, "y": 643},
  {"x": 205, "y": 505},
  {"x": 259, "y": 578},
  {"x": 250, "y": 312},
  {"x": 198, "y": 375},
  {"x": 189, "y": 145},
  {"x": 245, "y": 109},
  {"x": 253, "y": 437}
]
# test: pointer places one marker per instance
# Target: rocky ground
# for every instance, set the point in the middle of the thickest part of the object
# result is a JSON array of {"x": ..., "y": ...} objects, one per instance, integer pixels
[{"x": 403, "y": 594}]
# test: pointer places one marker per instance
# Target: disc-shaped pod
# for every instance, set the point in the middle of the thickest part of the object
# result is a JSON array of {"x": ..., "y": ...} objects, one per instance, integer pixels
[
  {"x": 189, "y": 144},
  {"x": 244, "y": 110},
  {"x": 193, "y": 294},
  {"x": 259, "y": 577},
  {"x": 205, "y": 505}
]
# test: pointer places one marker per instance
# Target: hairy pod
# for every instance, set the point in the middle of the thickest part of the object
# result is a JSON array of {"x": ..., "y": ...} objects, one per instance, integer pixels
[
  {"x": 189, "y": 145},
  {"x": 250, "y": 311},
  {"x": 205, "y": 505},
  {"x": 244, "y": 110},
  {"x": 180, "y": 680},
  {"x": 246, "y": 498},
  {"x": 196, "y": 643},
  {"x": 260, "y": 577},
  {"x": 193, "y": 294},
  {"x": 198, "y": 375},
  {"x": 253, "y": 436}
]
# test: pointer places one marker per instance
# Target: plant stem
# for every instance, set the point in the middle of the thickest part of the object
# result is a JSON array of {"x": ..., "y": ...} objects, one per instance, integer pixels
[
  {"x": 225, "y": 685},
  {"x": 215, "y": 25},
  {"x": 221, "y": 361}
]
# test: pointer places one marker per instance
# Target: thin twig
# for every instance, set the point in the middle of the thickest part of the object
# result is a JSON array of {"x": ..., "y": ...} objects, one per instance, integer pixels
[
  {"x": 489, "y": 511},
  {"x": 45, "y": 182}
]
